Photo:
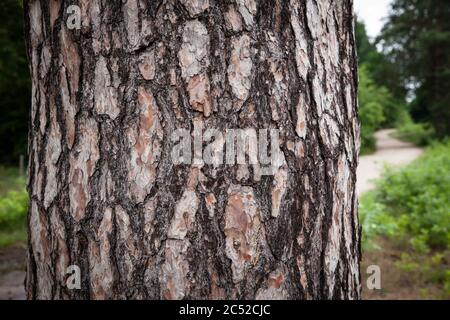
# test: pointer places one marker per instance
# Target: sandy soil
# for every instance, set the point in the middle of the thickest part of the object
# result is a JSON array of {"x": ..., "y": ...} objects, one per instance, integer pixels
[
  {"x": 389, "y": 151},
  {"x": 12, "y": 276}
]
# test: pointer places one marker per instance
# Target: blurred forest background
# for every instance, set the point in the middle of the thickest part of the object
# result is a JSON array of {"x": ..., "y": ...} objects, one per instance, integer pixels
[{"x": 404, "y": 84}]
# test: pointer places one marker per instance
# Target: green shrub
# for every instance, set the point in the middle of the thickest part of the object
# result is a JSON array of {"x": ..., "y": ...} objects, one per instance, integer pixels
[
  {"x": 371, "y": 115},
  {"x": 375, "y": 220},
  {"x": 411, "y": 206},
  {"x": 13, "y": 210},
  {"x": 413, "y": 202},
  {"x": 419, "y": 197},
  {"x": 10, "y": 180},
  {"x": 421, "y": 134},
  {"x": 14, "y": 237},
  {"x": 372, "y": 101}
]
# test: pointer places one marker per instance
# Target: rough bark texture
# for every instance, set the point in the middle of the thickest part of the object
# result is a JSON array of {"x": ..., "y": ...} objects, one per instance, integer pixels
[{"x": 105, "y": 194}]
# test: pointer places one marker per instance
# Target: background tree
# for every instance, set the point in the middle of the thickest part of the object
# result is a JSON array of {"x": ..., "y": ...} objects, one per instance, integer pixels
[
  {"x": 105, "y": 194},
  {"x": 385, "y": 78},
  {"x": 373, "y": 108},
  {"x": 379, "y": 107},
  {"x": 416, "y": 38}
]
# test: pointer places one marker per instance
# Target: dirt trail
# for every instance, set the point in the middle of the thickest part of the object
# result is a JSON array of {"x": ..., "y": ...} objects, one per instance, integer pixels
[
  {"x": 12, "y": 276},
  {"x": 389, "y": 151}
]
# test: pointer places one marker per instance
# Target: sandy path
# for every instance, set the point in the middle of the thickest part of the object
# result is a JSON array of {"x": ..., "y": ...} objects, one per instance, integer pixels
[
  {"x": 389, "y": 151},
  {"x": 12, "y": 285},
  {"x": 12, "y": 276}
]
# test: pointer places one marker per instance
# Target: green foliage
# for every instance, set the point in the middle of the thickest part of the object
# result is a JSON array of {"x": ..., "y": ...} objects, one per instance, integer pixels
[
  {"x": 378, "y": 106},
  {"x": 375, "y": 220},
  {"x": 10, "y": 180},
  {"x": 381, "y": 70},
  {"x": 13, "y": 210},
  {"x": 421, "y": 134},
  {"x": 371, "y": 108},
  {"x": 14, "y": 237},
  {"x": 432, "y": 267},
  {"x": 419, "y": 197},
  {"x": 364, "y": 46},
  {"x": 413, "y": 203},
  {"x": 411, "y": 206},
  {"x": 416, "y": 39},
  {"x": 13, "y": 213},
  {"x": 13, "y": 207}
]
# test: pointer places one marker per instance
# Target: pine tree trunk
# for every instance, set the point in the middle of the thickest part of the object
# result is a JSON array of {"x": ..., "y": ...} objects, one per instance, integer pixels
[{"x": 105, "y": 194}]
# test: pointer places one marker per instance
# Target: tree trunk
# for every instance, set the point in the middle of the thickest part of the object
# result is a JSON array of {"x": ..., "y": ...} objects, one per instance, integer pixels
[{"x": 105, "y": 193}]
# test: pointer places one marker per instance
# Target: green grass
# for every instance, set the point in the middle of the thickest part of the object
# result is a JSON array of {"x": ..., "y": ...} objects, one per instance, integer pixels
[
  {"x": 8, "y": 238},
  {"x": 13, "y": 207},
  {"x": 10, "y": 180}
]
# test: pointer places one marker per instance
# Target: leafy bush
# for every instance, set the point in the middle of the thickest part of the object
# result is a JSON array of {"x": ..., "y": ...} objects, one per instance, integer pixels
[
  {"x": 413, "y": 203},
  {"x": 375, "y": 220},
  {"x": 10, "y": 180},
  {"x": 411, "y": 206},
  {"x": 421, "y": 134},
  {"x": 13, "y": 210},
  {"x": 426, "y": 268},
  {"x": 372, "y": 100},
  {"x": 13, "y": 207},
  {"x": 368, "y": 114}
]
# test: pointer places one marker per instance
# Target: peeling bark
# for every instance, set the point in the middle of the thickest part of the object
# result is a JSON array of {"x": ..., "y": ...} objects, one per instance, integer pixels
[{"x": 105, "y": 194}]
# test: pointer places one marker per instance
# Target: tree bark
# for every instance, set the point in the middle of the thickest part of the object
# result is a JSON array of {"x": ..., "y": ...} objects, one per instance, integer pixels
[{"x": 106, "y": 196}]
